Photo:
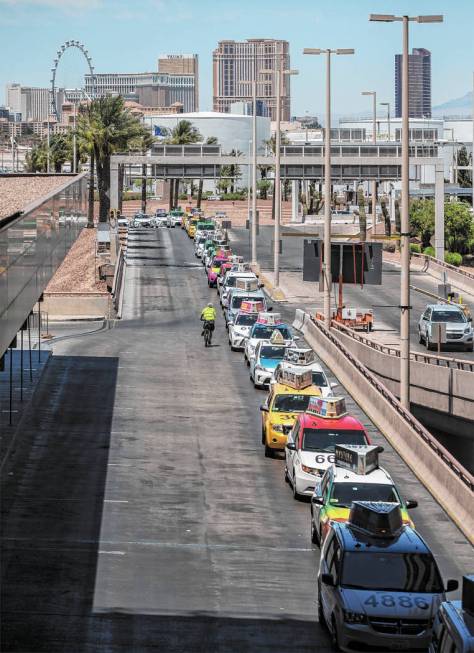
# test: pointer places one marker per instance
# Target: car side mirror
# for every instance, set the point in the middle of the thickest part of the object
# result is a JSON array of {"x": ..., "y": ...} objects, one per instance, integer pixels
[
  {"x": 291, "y": 446},
  {"x": 319, "y": 501},
  {"x": 264, "y": 408},
  {"x": 333, "y": 384},
  {"x": 452, "y": 585},
  {"x": 410, "y": 503},
  {"x": 327, "y": 579},
  {"x": 261, "y": 285},
  {"x": 270, "y": 309},
  {"x": 230, "y": 324}
]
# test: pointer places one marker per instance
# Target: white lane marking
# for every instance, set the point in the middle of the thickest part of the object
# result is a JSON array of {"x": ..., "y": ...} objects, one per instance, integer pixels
[
  {"x": 114, "y": 553},
  {"x": 115, "y": 501}
]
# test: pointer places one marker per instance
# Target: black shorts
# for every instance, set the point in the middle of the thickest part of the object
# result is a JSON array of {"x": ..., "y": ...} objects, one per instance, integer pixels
[{"x": 209, "y": 325}]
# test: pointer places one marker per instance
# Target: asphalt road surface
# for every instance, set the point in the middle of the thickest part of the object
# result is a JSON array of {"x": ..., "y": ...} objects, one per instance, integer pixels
[
  {"x": 139, "y": 512},
  {"x": 384, "y": 299}
]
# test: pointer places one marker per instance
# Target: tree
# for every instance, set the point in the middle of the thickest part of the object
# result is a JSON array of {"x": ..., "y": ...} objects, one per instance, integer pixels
[
  {"x": 85, "y": 141},
  {"x": 263, "y": 186},
  {"x": 211, "y": 140},
  {"x": 184, "y": 133},
  {"x": 422, "y": 220},
  {"x": 464, "y": 176},
  {"x": 362, "y": 214},
  {"x": 37, "y": 158},
  {"x": 110, "y": 127},
  {"x": 271, "y": 143},
  {"x": 143, "y": 143},
  {"x": 458, "y": 226},
  {"x": 386, "y": 215}
]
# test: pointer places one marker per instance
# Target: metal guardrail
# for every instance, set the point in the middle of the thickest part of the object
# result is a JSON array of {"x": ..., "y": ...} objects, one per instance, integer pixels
[
  {"x": 443, "y": 264},
  {"x": 439, "y": 361},
  {"x": 463, "y": 474}
]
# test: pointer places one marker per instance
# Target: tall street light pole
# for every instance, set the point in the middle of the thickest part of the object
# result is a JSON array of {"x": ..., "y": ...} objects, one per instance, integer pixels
[
  {"x": 374, "y": 140},
  {"x": 405, "y": 206},
  {"x": 326, "y": 267},
  {"x": 254, "y": 171},
  {"x": 277, "y": 189},
  {"x": 387, "y": 104}
]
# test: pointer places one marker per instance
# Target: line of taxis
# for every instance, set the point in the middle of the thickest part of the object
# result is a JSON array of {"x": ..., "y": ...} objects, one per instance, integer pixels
[{"x": 379, "y": 586}]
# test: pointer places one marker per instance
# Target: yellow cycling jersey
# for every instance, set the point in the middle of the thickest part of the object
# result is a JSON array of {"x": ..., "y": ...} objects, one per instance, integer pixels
[{"x": 208, "y": 314}]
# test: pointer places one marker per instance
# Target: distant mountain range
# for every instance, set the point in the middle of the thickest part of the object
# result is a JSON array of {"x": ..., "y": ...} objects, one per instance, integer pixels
[{"x": 461, "y": 106}]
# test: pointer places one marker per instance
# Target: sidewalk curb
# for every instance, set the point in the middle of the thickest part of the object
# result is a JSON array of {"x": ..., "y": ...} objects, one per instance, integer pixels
[{"x": 276, "y": 294}]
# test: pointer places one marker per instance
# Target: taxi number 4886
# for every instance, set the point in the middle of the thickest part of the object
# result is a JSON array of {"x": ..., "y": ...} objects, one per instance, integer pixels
[{"x": 389, "y": 601}]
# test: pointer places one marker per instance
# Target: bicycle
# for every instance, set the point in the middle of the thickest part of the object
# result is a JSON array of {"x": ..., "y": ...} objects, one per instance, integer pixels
[{"x": 207, "y": 329}]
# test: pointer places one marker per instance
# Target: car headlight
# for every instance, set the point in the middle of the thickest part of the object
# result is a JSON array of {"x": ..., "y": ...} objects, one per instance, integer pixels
[
  {"x": 312, "y": 470},
  {"x": 278, "y": 428},
  {"x": 354, "y": 617},
  {"x": 467, "y": 329}
]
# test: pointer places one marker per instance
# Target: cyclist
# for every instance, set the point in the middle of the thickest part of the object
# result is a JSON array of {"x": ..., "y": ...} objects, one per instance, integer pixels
[{"x": 208, "y": 316}]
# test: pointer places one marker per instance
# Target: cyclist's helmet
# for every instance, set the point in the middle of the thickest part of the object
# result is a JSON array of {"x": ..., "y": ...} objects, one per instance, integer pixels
[{"x": 211, "y": 305}]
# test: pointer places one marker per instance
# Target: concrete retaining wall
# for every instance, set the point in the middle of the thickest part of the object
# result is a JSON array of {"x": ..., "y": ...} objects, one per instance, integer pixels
[
  {"x": 60, "y": 305},
  {"x": 446, "y": 390},
  {"x": 456, "y": 278},
  {"x": 454, "y": 495}
]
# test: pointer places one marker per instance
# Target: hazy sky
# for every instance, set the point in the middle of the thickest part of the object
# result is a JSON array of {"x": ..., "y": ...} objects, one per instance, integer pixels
[{"x": 128, "y": 35}]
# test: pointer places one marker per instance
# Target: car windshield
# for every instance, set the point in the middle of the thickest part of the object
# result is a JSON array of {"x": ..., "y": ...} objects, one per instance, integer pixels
[
  {"x": 448, "y": 316},
  {"x": 237, "y": 301},
  {"x": 343, "y": 494},
  {"x": 391, "y": 572},
  {"x": 246, "y": 320},
  {"x": 319, "y": 379},
  {"x": 290, "y": 403},
  {"x": 264, "y": 332},
  {"x": 275, "y": 353},
  {"x": 326, "y": 439}
]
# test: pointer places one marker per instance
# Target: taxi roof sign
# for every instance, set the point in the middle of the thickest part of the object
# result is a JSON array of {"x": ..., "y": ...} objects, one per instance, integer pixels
[
  {"x": 358, "y": 458},
  {"x": 294, "y": 377},
  {"x": 300, "y": 356},
  {"x": 240, "y": 267},
  {"x": 277, "y": 338},
  {"x": 327, "y": 407},
  {"x": 272, "y": 319},
  {"x": 376, "y": 518},
  {"x": 251, "y": 306},
  {"x": 236, "y": 259},
  {"x": 248, "y": 285}
]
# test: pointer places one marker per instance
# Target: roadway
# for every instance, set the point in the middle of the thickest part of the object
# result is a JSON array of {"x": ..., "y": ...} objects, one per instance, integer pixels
[
  {"x": 139, "y": 512},
  {"x": 383, "y": 299}
]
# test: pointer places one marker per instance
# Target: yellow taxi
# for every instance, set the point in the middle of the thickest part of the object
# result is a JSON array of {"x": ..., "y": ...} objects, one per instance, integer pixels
[
  {"x": 185, "y": 221},
  {"x": 191, "y": 228},
  {"x": 286, "y": 399}
]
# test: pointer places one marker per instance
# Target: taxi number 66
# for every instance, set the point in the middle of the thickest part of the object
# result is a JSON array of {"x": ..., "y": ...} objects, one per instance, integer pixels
[
  {"x": 389, "y": 601},
  {"x": 320, "y": 459}
]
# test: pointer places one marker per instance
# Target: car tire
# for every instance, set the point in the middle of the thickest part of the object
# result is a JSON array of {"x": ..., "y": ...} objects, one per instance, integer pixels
[
  {"x": 263, "y": 435},
  {"x": 321, "y": 619},
  {"x": 287, "y": 478},
  {"x": 420, "y": 337},
  {"x": 248, "y": 362},
  {"x": 296, "y": 495},
  {"x": 232, "y": 348},
  {"x": 268, "y": 452},
  {"x": 334, "y": 635},
  {"x": 429, "y": 346},
  {"x": 315, "y": 536}
]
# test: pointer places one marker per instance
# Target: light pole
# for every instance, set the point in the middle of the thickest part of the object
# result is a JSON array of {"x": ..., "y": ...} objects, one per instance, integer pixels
[
  {"x": 253, "y": 226},
  {"x": 326, "y": 267},
  {"x": 74, "y": 144},
  {"x": 374, "y": 140},
  {"x": 387, "y": 104},
  {"x": 405, "y": 212},
  {"x": 276, "y": 187}
]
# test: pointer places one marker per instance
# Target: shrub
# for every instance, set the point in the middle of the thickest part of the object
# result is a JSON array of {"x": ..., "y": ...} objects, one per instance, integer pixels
[
  {"x": 388, "y": 247},
  {"x": 415, "y": 248},
  {"x": 453, "y": 258},
  {"x": 429, "y": 251}
]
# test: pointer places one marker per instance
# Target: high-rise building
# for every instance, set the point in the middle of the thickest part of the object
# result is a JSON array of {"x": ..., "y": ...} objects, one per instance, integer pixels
[
  {"x": 32, "y": 103},
  {"x": 236, "y": 63},
  {"x": 175, "y": 81},
  {"x": 419, "y": 78}
]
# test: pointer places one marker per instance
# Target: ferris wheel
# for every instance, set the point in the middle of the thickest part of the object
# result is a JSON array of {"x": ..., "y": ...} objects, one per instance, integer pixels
[{"x": 59, "y": 54}]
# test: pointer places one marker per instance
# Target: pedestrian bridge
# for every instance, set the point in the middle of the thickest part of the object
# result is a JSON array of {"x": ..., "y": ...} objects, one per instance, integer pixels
[{"x": 350, "y": 162}]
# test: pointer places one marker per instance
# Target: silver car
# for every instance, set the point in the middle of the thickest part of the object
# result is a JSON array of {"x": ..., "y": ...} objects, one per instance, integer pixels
[{"x": 458, "y": 326}]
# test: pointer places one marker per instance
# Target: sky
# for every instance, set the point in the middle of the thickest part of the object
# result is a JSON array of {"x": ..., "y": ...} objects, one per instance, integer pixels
[{"x": 128, "y": 36}]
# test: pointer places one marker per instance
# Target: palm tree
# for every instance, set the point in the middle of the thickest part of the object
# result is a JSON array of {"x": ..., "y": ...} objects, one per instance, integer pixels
[
  {"x": 211, "y": 140},
  {"x": 85, "y": 141},
  {"x": 184, "y": 133},
  {"x": 143, "y": 143},
  {"x": 271, "y": 143},
  {"x": 37, "y": 158},
  {"x": 110, "y": 127}
]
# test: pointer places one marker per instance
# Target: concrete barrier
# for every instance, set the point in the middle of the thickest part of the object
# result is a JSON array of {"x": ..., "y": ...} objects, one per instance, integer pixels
[
  {"x": 300, "y": 317},
  {"x": 446, "y": 390},
  {"x": 459, "y": 279},
  {"x": 449, "y": 483},
  {"x": 64, "y": 306}
]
